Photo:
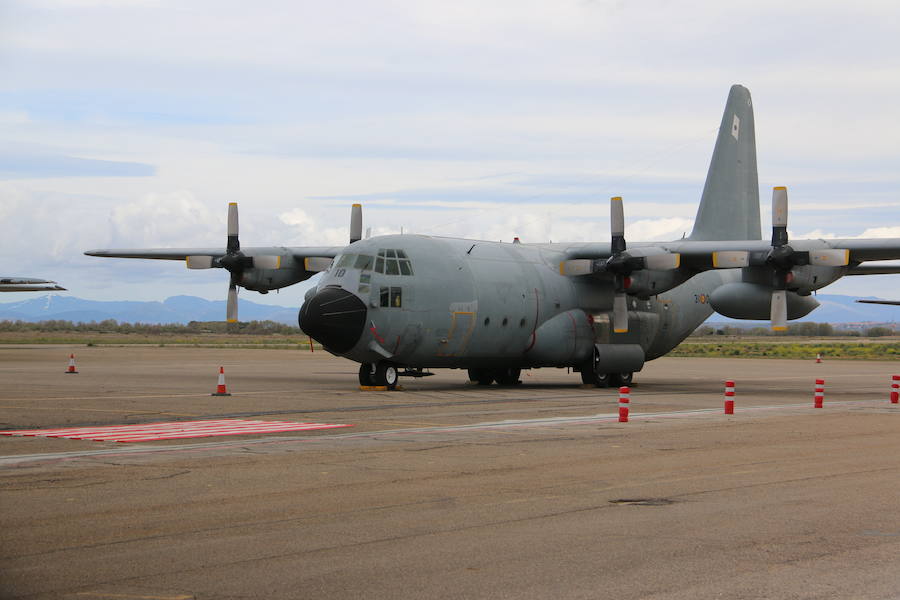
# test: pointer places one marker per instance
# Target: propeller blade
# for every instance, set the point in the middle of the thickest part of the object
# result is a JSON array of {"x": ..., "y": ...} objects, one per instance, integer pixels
[
  {"x": 199, "y": 262},
  {"x": 779, "y": 216},
  {"x": 232, "y": 311},
  {"x": 779, "y": 310},
  {"x": 730, "y": 259},
  {"x": 267, "y": 262},
  {"x": 355, "y": 223},
  {"x": 662, "y": 262},
  {"x": 829, "y": 258},
  {"x": 617, "y": 224},
  {"x": 620, "y": 313},
  {"x": 575, "y": 267},
  {"x": 233, "y": 244}
]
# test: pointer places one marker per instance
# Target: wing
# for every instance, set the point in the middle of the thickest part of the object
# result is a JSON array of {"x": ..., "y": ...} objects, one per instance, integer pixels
[
  {"x": 28, "y": 284},
  {"x": 260, "y": 269},
  {"x": 299, "y": 253}
]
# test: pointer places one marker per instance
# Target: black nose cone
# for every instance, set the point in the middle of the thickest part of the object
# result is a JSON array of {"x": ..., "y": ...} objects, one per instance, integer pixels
[{"x": 335, "y": 318}]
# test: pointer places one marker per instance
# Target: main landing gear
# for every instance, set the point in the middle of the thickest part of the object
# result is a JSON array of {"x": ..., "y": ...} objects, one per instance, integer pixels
[
  {"x": 591, "y": 376},
  {"x": 506, "y": 376}
]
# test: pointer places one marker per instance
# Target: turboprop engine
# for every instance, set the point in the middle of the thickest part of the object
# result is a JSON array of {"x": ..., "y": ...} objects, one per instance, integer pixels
[{"x": 743, "y": 300}]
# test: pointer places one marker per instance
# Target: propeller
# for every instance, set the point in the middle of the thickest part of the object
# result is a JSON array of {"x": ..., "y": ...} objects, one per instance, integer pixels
[
  {"x": 621, "y": 264},
  {"x": 781, "y": 258},
  {"x": 234, "y": 261}
]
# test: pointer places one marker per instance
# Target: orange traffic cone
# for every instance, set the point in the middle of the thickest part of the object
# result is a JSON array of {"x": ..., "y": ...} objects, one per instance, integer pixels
[
  {"x": 71, "y": 370},
  {"x": 220, "y": 388}
]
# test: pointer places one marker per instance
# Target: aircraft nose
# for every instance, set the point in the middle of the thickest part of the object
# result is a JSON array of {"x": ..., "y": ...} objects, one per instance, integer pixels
[{"x": 335, "y": 318}]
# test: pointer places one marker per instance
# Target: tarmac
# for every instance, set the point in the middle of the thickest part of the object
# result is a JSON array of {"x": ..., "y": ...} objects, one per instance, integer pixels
[{"x": 446, "y": 489}]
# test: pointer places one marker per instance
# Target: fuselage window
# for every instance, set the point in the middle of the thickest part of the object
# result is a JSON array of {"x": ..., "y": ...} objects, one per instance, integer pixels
[
  {"x": 391, "y": 297},
  {"x": 363, "y": 262}
]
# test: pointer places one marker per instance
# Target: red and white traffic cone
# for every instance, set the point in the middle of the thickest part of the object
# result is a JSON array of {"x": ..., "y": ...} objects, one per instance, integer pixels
[
  {"x": 71, "y": 369},
  {"x": 729, "y": 397},
  {"x": 820, "y": 393},
  {"x": 818, "y": 358},
  {"x": 220, "y": 388},
  {"x": 895, "y": 389},
  {"x": 624, "y": 401}
]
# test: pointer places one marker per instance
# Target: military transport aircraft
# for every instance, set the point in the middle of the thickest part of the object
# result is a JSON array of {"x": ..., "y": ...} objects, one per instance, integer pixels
[
  {"x": 27, "y": 284},
  {"x": 400, "y": 304}
]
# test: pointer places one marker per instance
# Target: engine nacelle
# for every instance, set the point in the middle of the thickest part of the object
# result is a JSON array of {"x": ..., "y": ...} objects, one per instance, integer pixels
[
  {"x": 751, "y": 301},
  {"x": 288, "y": 273},
  {"x": 647, "y": 283}
]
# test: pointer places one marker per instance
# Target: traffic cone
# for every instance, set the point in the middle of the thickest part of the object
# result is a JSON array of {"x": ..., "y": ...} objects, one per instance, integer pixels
[
  {"x": 624, "y": 403},
  {"x": 818, "y": 358},
  {"x": 71, "y": 370},
  {"x": 220, "y": 388},
  {"x": 729, "y": 397}
]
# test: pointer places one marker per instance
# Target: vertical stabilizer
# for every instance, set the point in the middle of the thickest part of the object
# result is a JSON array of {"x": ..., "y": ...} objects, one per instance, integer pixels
[{"x": 729, "y": 207}]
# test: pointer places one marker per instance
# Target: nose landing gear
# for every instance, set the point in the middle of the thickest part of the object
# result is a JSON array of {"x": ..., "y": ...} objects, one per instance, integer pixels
[{"x": 378, "y": 374}]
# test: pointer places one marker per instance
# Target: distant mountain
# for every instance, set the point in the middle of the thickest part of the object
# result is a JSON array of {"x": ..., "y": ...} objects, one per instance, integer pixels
[
  {"x": 177, "y": 309},
  {"x": 182, "y": 309}
]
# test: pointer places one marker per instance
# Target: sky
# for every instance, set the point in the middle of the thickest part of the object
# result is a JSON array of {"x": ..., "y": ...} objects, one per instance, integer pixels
[{"x": 133, "y": 123}]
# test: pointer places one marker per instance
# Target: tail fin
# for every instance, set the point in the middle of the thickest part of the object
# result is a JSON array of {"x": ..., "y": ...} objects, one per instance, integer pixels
[{"x": 729, "y": 207}]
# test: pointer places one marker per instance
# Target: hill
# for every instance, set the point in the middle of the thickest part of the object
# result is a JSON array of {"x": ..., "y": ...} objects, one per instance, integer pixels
[{"x": 838, "y": 310}]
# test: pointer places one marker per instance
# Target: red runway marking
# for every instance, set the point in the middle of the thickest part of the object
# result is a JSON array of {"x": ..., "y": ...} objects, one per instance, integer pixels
[{"x": 171, "y": 431}]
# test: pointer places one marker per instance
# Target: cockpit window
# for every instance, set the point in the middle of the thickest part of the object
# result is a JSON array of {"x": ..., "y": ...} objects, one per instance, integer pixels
[
  {"x": 393, "y": 262},
  {"x": 345, "y": 260},
  {"x": 353, "y": 261},
  {"x": 390, "y": 267}
]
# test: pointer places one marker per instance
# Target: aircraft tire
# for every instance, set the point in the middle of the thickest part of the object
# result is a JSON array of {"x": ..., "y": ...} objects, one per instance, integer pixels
[
  {"x": 507, "y": 376},
  {"x": 386, "y": 375},
  {"x": 366, "y": 377},
  {"x": 589, "y": 374},
  {"x": 481, "y": 376},
  {"x": 625, "y": 379}
]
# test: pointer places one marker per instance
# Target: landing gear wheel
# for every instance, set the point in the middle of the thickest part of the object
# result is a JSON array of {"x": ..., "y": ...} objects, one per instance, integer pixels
[
  {"x": 614, "y": 380},
  {"x": 507, "y": 376},
  {"x": 604, "y": 380},
  {"x": 386, "y": 375},
  {"x": 626, "y": 379},
  {"x": 589, "y": 374},
  {"x": 367, "y": 374},
  {"x": 481, "y": 376}
]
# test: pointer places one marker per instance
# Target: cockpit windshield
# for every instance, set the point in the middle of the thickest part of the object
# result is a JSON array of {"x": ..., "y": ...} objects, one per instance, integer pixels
[{"x": 388, "y": 261}]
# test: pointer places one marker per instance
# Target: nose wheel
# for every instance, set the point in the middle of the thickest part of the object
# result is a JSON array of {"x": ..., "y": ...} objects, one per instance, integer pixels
[{"x": 379, "y": 374}]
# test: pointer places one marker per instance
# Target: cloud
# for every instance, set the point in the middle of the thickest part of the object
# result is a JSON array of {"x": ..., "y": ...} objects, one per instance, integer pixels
[{"x": 16, "y": 165}]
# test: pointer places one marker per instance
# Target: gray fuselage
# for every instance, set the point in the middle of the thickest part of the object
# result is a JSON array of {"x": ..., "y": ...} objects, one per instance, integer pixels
[{"x": 473, "y": 304}]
